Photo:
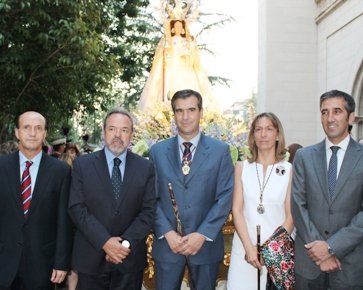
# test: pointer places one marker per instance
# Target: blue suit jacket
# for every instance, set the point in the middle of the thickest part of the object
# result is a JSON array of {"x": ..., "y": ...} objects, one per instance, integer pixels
[{"x": 203, "y": 196}]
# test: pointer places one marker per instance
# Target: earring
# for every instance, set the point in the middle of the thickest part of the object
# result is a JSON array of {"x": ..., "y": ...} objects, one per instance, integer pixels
[{"x": 172, "y": 30}]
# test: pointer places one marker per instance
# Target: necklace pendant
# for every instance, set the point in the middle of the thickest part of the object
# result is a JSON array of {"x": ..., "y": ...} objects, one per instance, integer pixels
[
  {"x": 185, "y": 168},
  {"x": 261, "y": 209}
]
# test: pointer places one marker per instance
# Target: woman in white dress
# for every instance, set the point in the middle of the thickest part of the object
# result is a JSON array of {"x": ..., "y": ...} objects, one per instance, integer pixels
[
  {"x": 261, "y": 197},
  {"x": 176, "y": 66}
]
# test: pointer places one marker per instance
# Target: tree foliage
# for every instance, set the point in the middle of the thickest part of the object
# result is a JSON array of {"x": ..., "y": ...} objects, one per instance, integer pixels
[{"x": 60, "y": 56}]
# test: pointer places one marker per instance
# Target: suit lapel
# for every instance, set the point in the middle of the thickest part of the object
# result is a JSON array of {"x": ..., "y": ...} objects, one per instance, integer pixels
[
  {"x": 101, "y": 167},
  {"x": 351, "y": 159},
  {"x": 130, "y": 169},
  {"x": 201, "y": 154},
  {"x": 43, "y": 177},
  {"x": 174, "y": 159},
  {"x": 13, "y": 176},
  {"x": 319, "y": 163}
]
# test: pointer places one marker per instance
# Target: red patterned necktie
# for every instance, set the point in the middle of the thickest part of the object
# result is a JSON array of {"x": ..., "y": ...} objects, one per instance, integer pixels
[
  {"x": 187, "y": 154},
  {"x": 26, "y": 187}
]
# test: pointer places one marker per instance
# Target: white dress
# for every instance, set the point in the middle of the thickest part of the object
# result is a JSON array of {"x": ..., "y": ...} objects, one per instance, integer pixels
[{"x": 242, "y": 275}]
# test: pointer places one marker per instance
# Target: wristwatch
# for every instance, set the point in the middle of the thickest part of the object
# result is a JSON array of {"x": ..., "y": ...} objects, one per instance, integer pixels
[
  {"x": 126, "y": 243},
  {"x": 330, "y": 251}
]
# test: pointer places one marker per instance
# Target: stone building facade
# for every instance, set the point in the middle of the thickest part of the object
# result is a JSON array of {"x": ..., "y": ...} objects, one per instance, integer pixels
[{"x": 307, "y": 47}]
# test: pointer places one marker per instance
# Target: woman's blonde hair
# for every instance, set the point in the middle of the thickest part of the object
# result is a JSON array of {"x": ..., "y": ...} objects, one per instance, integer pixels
[{"x": 280, "y": 150}]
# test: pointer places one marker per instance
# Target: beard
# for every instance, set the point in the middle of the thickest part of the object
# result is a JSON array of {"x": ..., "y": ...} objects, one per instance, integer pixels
[{"x": 117, "y": 146}]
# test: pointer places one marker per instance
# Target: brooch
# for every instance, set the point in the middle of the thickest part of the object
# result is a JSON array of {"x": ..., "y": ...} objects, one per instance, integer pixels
[{"x": 280, "y": 170}]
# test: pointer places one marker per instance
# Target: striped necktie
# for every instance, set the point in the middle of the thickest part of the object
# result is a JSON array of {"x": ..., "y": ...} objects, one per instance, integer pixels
[
  {"x": 187, "y": 154},
  {"x": 26, "y": 188}
]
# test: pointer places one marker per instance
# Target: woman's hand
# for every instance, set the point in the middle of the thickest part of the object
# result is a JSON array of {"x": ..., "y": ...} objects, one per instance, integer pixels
[{"x": 251, "y": 258}]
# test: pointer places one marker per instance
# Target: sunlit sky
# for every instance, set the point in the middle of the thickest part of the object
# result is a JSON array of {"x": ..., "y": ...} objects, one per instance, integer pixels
[{"x": 235, "y": 47}]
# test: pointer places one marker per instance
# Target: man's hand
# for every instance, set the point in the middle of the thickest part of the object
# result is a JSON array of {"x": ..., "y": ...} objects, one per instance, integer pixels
[
  {"x": 174, "y": 241},
  {"x": 191, "y": 244},
  {"x": 58, "y": 276},
  {"x": 332, "y": 264},
  {"x": 115, "y": 252},
  {"x": 318, "y": 251}
]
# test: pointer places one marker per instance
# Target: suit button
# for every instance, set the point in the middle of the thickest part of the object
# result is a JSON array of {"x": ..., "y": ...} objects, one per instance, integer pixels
[
  {"x": 326, "y": 232},
  {"x": 117, "y": 212}
]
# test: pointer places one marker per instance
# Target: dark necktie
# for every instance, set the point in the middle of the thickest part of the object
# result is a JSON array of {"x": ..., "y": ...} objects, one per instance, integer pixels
[
  {"x": 187, "y": 154},
  {"x": 116, "y": 178},
  {"x": 26, "y": 187},
  {"x": 332, "y": 170}
]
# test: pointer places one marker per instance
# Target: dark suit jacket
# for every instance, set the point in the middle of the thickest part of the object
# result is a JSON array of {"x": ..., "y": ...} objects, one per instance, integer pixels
[
  {"x": 98, "y": 216},
  {"x": 44, "y": 238},
  {"x": 339, "y": 221},
  {"x": 203, "y": 196}
]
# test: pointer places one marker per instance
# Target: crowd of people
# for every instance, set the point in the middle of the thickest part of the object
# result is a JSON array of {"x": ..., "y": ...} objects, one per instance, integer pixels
[{"x": 299, "y": 223}]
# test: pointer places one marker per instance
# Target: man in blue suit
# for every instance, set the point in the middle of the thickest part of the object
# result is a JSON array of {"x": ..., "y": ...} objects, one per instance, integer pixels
[{"x": 200, "y": 171}]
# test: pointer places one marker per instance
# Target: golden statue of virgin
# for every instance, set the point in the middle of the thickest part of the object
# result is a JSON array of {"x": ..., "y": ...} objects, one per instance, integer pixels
[{"x": 176, "y": 63}]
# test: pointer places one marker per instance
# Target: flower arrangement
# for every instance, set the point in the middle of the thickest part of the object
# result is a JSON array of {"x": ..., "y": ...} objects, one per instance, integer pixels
[{"x": 159, "y": 124}]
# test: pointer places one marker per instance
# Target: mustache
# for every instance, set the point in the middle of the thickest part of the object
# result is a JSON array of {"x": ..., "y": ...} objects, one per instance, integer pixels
[{"x": 118, "y": 140}]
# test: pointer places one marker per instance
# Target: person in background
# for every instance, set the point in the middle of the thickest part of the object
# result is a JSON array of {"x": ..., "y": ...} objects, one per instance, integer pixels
[
  {"x": 35, "y": 229},
  {"x": 112, "y": 204},
  {"x": 200, "y": 171},
  {"x": 327, "y": 202},
  {"x": 72, "y": 150},
  {"x": 59, "y": 146},
  {"x": 261, "y": 196},
  {"x": 9, "y": 147},
  {"x": 70, "y": 154},
  {"x": 292, "y": 148}
]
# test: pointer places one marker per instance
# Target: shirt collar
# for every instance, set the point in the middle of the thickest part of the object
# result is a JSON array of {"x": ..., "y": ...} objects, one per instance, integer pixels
[
  {"x": 343, "y": 144},
  {"x": 194, "y": 140},
  {"x": 110, "y": 156},
  {"x": 36, "y": 159}
]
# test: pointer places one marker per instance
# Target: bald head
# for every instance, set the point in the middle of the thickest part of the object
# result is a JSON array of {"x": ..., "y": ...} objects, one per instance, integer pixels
[{"x": 30, "y": 114}]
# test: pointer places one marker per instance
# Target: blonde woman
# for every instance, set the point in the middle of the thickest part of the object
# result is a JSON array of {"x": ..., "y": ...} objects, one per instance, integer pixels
[{"x": 261, "y": 197}]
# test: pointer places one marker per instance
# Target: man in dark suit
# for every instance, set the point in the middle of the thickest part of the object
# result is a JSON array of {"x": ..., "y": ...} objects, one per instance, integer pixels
[
  {"x": 35, "y": 230},
  {"x": 112, "y": 203},
  {"x": 327, "y": 203},
  {"x": 200, "y": 171}
]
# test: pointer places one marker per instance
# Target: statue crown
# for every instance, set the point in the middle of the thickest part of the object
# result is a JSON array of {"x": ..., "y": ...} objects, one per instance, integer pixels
[{"x": 181, "y": 9}]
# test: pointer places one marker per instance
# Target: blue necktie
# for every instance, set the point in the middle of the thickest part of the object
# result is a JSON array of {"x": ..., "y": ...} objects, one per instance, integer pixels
[
  {"x": 332, "y": 170},
  {"x": 116, "y": 178}
]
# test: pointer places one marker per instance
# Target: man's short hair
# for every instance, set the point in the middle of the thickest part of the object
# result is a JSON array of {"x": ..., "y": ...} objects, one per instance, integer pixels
[
  {"x": 349, "y": 100},
  {"x": 183, "y": 94},
  {"x": 118, "y": 110}
]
